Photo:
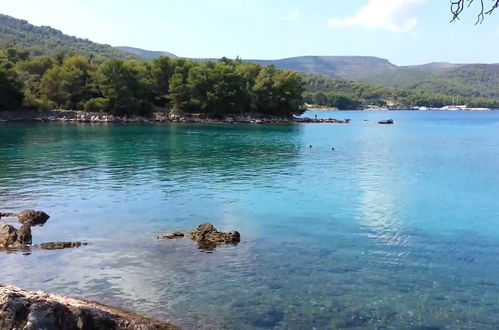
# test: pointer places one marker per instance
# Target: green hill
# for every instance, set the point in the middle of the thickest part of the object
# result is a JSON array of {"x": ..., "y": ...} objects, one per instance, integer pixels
[
  {"x": 44, "y": 40},
  {"x": 471, "y": 80}
]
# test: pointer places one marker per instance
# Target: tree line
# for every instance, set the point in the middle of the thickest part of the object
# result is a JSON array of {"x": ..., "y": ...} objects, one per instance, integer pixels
[{"x": 133, "y": 87}]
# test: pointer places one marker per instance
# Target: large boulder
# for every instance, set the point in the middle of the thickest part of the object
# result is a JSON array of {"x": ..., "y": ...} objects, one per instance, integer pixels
[
  {"x": 21, "y": 309},
  {"x": 33, "y": 218},
  {"x": 11, "y": 237},
  {"x": 208, "y": 236}
]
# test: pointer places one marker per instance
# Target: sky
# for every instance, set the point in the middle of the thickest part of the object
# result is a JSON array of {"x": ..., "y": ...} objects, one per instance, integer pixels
[{"x": 406, "y": 32}]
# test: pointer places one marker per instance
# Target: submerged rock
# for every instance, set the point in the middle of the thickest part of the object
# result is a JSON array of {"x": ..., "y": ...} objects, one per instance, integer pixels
[
  {"x": 208, "y": 236},
  {"x": 33, "y": 218},
  {"x": 174, "y": 235},
  {"x": 7, "y": 215},
  {"x": 12, "y": 237},
  {"x": 61, "y": 245},
  {"x": 21, "y": 309}
]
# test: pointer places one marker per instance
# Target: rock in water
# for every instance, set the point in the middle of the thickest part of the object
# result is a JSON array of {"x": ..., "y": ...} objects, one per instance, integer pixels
[
  {"x": 24, "y": 235},
  {"x": 208, "y": 236},
  {"x": 174, "y": 235},
  {"x": 8, "y": 235},
  {"x": 7, "y": 215},
  {"x": 61, "y": 245},
  {"x": 33, "y": 218},
  {"x": 11, "y": 237},
  {"x": 20, "y": 309}
]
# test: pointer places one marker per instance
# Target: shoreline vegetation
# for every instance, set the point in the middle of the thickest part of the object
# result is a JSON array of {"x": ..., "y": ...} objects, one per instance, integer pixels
[{"x": 140, "y": 88}]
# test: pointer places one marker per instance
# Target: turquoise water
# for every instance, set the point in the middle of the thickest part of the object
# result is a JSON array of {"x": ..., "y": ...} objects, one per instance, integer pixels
[{"x": 398, "y": 228}]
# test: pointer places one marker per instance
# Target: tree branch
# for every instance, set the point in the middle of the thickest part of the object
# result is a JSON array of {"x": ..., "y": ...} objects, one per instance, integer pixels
[{"x": 457, "y": 7}]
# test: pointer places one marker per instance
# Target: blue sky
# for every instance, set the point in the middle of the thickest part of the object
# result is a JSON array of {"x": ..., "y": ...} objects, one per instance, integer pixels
[{"x": 403, "y": 31}]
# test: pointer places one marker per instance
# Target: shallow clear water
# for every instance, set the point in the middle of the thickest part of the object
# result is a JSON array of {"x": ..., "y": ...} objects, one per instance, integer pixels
[{"x": 398, "y": 228}]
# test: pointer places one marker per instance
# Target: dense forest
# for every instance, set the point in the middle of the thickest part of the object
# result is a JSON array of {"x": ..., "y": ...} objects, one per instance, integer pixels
[{"x": 132, "y": 87}]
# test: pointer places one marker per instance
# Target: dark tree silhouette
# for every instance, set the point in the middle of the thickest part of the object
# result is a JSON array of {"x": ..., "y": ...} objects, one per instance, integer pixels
[{"x": 457, "y": 7}]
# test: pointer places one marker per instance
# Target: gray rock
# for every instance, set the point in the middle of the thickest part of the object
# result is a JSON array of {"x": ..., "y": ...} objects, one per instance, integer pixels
[
  {"x": 21, "y": 309},
  {"x": 33, "y": 218}
]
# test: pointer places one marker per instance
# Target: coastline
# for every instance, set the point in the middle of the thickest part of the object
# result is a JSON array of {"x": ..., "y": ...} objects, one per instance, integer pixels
[
  {"x": 74, "y": 116},
  {"x": 83, "y": 117}
]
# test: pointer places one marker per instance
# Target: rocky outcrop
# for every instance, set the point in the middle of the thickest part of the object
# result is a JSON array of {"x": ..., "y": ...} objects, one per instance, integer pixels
[
  {"x": 33, "y": 218},
  {"x": 174, "y": 235},
  {"x": 11, "y": 237},
  {"x": 207, "y": 236},
  {"x": 62, "y": 245},
  {"x": 21, "y": 309}
]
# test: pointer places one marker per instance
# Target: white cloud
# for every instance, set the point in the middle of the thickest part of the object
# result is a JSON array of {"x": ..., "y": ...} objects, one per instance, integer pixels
[
  {"x": 391, "y": 15},
  {"x": 294, "y": 15}
]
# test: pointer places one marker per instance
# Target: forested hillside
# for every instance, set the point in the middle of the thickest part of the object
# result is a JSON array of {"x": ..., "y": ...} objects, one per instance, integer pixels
[
  {"x": 44, "y": 40},
  {"x": 470, "y": 80},
  {"x": 348, "y": 94}
]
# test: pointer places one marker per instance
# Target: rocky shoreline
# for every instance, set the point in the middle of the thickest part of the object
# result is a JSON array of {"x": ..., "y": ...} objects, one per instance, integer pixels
[
  {"x": 21, "y": 309},
  {"x": 70, "y": 116}
]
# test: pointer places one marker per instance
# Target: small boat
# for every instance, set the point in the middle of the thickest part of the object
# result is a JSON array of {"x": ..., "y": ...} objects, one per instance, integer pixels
[{"x": 386, "y": 122}]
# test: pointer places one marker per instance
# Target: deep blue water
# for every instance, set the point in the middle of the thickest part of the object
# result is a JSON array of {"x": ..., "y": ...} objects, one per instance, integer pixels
[{"x": 398, "y": 228}]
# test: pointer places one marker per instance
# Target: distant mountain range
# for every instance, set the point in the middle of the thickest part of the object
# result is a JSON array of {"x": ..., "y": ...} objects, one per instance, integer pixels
[{"x": 472, "y": 80}]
